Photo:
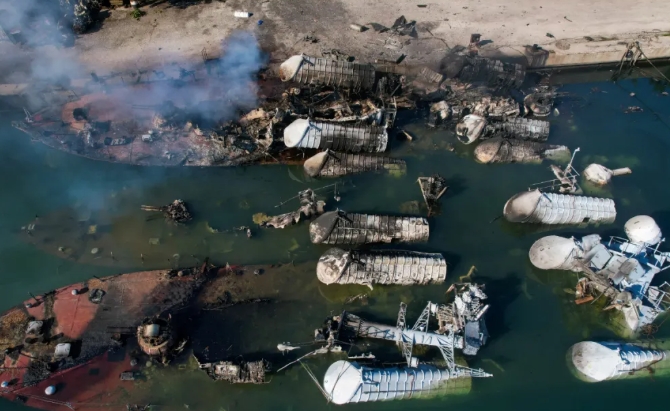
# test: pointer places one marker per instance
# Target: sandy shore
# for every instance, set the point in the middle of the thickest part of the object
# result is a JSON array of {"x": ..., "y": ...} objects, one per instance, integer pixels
[{"x": 583, "y": 32}]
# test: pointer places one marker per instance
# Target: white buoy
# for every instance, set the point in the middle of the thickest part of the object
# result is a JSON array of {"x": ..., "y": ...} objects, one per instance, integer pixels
[
  {"x": 643, "y": 229},
  {"x": 50, "y": 390}
]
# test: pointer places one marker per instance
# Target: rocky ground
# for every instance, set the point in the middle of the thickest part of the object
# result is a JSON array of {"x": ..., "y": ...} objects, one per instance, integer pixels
[{"x": 172, "y": 31}]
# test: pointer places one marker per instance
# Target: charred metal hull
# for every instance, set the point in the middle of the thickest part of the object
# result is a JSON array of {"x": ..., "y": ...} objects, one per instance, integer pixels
[
  {"x": 336, "y": 136},
  {"x": 319, "y": 71},
  {"x": 329, "y": 164},
  {"x": 337, "y": 266},
  {"x": 337, "y": 227},
  {"x": 494, "y": 72},
  {"x": 501, "y": 150},
  {"x": 522, "y": 128},
  {"x": 99, "y": 319}
]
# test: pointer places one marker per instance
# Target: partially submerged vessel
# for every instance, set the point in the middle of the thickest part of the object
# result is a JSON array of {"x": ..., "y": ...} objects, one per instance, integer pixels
[
  {"x": 555, "y": 202},
  {"x": 595, "y": 361},
  {"x": 339, "y": 227},
  {"x": 460, "y": 326},
  {"x": 504, "y": 150},
  {"x": 337, "y": 266},
  {"x": 333, "y": 164},
  {"x": 95, "y": 342},
  {"x": 620, "y": 269}
]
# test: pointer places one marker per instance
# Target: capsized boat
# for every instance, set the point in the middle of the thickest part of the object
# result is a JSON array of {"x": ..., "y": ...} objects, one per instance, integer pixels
[{"x": 96, "y": 342}]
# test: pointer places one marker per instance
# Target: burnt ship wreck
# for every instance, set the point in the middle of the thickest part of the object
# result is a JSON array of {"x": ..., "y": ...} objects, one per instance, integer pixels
[
  {"x": 96, "y": 344},
  {"x": 334, "y": 116}
]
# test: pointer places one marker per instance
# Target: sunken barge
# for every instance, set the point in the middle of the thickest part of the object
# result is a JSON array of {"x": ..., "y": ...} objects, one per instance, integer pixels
[{"x": 96, "y": 342}]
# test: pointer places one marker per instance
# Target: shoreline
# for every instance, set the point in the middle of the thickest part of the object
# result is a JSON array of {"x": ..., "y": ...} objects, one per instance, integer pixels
[{"x": 192, "y": 32}]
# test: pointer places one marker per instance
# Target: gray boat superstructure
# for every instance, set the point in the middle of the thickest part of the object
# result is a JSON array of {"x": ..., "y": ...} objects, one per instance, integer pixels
[
  {"x": 460, "y": 326},
  {"x": 621, "y": 269}
]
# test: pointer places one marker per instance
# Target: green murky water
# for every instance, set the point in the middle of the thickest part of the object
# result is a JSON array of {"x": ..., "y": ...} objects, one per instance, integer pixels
[{"x": 532, "y": 321}]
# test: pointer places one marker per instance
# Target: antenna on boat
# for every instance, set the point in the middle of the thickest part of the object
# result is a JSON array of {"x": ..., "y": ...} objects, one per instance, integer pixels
[{"x": 29, "y": 117}]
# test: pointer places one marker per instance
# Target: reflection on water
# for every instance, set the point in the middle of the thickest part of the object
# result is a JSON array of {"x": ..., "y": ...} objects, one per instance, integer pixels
[{"x": 532, "y": 321}]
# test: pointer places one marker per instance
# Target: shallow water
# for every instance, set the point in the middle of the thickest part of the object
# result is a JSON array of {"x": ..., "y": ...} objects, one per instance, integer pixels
[{"x": 532, "y": 321}]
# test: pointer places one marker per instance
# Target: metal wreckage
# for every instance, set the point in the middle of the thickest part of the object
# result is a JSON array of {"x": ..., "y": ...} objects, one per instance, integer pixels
[
  {"x": 337, "y": 113},
  {"x": 342, "y": 108},
  {"x": 362, "y": 377}
]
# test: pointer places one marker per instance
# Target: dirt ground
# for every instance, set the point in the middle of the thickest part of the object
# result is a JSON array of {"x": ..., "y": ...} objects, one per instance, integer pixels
[{"x": 180, "y": 33}]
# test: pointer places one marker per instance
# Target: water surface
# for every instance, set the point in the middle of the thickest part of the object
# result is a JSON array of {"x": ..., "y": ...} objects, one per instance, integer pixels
[{"x": 532, "y": 321}]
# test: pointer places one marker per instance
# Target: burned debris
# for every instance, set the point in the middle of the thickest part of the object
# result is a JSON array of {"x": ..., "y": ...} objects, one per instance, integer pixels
[
  {"x": 339, "y": 227},
  {"x": 175, "y": 212},
  {"x": 309, "y": 206},
  {"x": 337, "y": 266},
  {"x": 354, "y": 138},
  {"x": 331, "y": 164},
  {"x": 502, "y": 150},
  {"x": 432, "y": 189},
  {"x": 237, "y": 372}
]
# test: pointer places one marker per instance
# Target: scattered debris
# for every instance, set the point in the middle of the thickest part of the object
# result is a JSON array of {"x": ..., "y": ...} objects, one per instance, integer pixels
[
  {"x": 309, "y": 207},
  {"x": 286, "y": 347},
  {"x": 432, "y": 188},
  {"x": 633, "y": 109},
  {"x": 237, "y": 372},
  {"x": 175, "y": 212}
]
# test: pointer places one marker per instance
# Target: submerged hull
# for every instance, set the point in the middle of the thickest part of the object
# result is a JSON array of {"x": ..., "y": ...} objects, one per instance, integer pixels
[{"x": 105, "y": 366}]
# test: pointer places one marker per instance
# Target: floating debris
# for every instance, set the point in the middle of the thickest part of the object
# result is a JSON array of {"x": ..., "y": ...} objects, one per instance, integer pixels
[
  {"x": 432, "y": 189},
  {"x": 237, "y": 372},
  {"x": 539, "y": 103},
  {"x": 309, "y": 207},
  {"x": 332, "y": 164},
  {"x": 339, "y": 227},
  {"x": 602, "y": 175},
  {"x": 502, "y": 150},
  {"x": 337, "y": 266},
  {"x": 355, "y": 138},
  {"x": 175, "y": 212},
  {"x": 600, "y": 361},
  {"x": 620, "y": 269},
  {"x": 493, "y": 72}
]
